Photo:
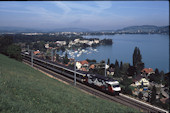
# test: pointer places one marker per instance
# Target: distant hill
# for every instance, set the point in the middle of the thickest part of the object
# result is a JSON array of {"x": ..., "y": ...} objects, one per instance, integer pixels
[
  {"x": 145, "y": 29},
  {"x": 131, "y": 29},
  {"x": 17, "y": 30},
  {"x": 26, "y": 30},
  {"x": 70, "y": 30}
]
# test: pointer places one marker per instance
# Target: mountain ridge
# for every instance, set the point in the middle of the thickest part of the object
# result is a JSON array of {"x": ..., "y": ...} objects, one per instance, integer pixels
[{"x": 130, "y": 29}]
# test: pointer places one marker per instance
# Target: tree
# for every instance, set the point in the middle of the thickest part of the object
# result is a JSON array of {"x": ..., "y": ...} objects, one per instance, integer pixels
[
  {"x": 62, "y": 49},
  {"x": 153, "y": 95},
  {"x": 156, "y": 71},
  {"x": 116, "y": 64},
  {"x": 117, "y": 70},
  {"x": 127, "y": 90},
  {"x": 140, "y": 95},
  {"x": 102, "y": 62},
  {"x": 112, "y": 65},
  {"x": 140, "y": 66},
  {"x": 137, "y": 60},
  {"x": 5, "y": 41},
  {"x": 126, "y": 81},
  {"x": 162, "y": 76},
  {"x": 125, "y": 68},
  {"x": 57, "y": 57},
  {"x": 14, "y": 51},
  {"x": 137, "y": 57},
  {"x": 108, "y": 61},
  {"x": 157, "y": 76},
  {"x": 66, "y": 60},
  {"x": 121, "y": 66}
]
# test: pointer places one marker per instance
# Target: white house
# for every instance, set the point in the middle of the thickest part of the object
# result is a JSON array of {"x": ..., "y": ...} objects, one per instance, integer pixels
[
  {"x": 78, "y": 65},
  {"x": 47, "y": 46},
  {"x": 82, "y": 64},
  {"x": 144, "y": 80},
  {"x": 139, "y": 80}
]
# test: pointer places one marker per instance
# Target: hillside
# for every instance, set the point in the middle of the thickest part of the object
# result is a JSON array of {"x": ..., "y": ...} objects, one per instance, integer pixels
[
  {"x": 23, "y": 89},
  {"x": 145, "y": 29}
]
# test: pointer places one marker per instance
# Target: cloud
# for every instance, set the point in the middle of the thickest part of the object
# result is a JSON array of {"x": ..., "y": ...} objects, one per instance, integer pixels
[
  {"x": 64, "y": 7},
  {"x": 84, "y": 7},
  {"x": 104, "y": 5}
]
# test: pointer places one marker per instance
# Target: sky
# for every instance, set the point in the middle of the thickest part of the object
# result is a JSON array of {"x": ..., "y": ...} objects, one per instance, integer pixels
[{"x": 93, "y": 15}]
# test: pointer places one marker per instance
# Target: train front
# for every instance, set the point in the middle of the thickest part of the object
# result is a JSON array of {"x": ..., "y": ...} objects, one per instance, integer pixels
[{"x": 115, "y": 87}]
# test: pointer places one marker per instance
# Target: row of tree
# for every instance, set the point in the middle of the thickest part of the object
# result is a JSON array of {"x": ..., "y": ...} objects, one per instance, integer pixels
[{"x": 7, "y": 47}]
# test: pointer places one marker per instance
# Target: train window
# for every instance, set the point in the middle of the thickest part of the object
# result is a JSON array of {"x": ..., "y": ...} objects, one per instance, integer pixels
[
  {"x": 99, "y": 80},
  {"x": 116, "y": 86}
]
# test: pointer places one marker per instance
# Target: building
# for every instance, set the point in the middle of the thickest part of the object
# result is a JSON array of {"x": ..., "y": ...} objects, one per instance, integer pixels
[
  {"x": 82, "y": 64},
  {"x": 47, "y": 46},
  {"x": 140, "y": 81},
  {"x": 92, "y": 66},
  {"x": 147, "y": 71},
  {"x": 111, "y": 71},
  {"x": 36, "y": 52},
  {"x": 60, "y": 43}
]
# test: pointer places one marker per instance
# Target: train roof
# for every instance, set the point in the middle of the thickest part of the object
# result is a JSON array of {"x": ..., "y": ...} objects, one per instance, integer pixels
[
  {"x": 71, "y": 68},
  {"x": 102, "y": 77}
]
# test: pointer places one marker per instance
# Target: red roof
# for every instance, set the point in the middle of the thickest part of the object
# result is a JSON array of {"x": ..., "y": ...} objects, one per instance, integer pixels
[
  {"x": 147, "y": 70},
  {"x": 92, "y": 66},
  {"x": 163, "y": 100},
  {"x": 36, "y": 52},
  {"x": 84, "y": 62}
]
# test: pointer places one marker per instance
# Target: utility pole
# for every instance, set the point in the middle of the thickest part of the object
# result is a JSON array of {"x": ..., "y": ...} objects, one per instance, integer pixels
[
  {"x": 32, "y": 58},
  {"x": 105, "y": 69},
  {"x": 28, "y": 48},
  {"x": 52, "y": 54},
  {"x": 74, "y": 72}
]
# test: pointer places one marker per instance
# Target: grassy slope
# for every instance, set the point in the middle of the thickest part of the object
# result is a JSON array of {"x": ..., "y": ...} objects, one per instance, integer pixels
[{"x": 23, "y": 89}]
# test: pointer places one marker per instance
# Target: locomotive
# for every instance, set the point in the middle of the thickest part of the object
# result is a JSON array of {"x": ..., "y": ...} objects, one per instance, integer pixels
[
  {"x": 100, "y": 82},
  {"x": 103, "y": 83}
]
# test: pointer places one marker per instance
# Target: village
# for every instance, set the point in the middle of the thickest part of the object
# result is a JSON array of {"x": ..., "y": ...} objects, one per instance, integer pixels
[{"x": 143, "y": 85}]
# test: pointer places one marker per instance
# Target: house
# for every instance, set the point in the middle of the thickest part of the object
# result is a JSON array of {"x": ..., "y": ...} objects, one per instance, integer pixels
[
  {"x": 71, "y": 61},
  {"x": 111, "y": 71},
  {"x": 83, "y": 69},
  {"x": 147, "y": 71},
  {"x": 164, "y": 100},
  {"x": 99, "y": 65},
  {"x": 82, "y": 64},
  {"x": 36, "y": 52},
  {"x": 139, "y": 80},
  {"x": 60, "y": 43},
  {"x": 92, "y": 66},
  {"x": 50, "y": 48},
  {"x": 47, "y": 46}
]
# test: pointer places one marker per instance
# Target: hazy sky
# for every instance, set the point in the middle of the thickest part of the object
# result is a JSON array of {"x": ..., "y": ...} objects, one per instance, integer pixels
[{"x": 94, "y": 15}]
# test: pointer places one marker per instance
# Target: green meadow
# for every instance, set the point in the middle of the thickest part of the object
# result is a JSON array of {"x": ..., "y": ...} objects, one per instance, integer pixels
[{"x": 26, "y": 90}]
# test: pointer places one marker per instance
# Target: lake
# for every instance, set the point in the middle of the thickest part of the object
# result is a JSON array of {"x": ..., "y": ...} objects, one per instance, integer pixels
[{"x": 154, "y": 49}]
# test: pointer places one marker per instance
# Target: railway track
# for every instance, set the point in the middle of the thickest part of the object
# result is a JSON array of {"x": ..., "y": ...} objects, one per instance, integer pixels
[{"x": 122, "y": 99}]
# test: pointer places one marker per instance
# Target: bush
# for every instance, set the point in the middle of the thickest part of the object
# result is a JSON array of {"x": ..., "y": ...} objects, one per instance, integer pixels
[
  {"x": 127, "y": 90},
  {"x": 14, "y": 51},
  {"x": 8, "y": 48},
  {"x": 140, "y": 95}
]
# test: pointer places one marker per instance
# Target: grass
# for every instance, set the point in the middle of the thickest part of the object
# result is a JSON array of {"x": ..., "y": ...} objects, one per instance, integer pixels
[{"x": 25, "y": 90}]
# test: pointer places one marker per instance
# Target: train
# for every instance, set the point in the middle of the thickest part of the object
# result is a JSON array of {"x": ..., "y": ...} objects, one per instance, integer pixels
[{"x": 102, "y": 83}]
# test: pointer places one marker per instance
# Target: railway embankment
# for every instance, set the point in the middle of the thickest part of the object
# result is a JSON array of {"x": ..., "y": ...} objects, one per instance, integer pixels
[{"x": 24, "y": 89}]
